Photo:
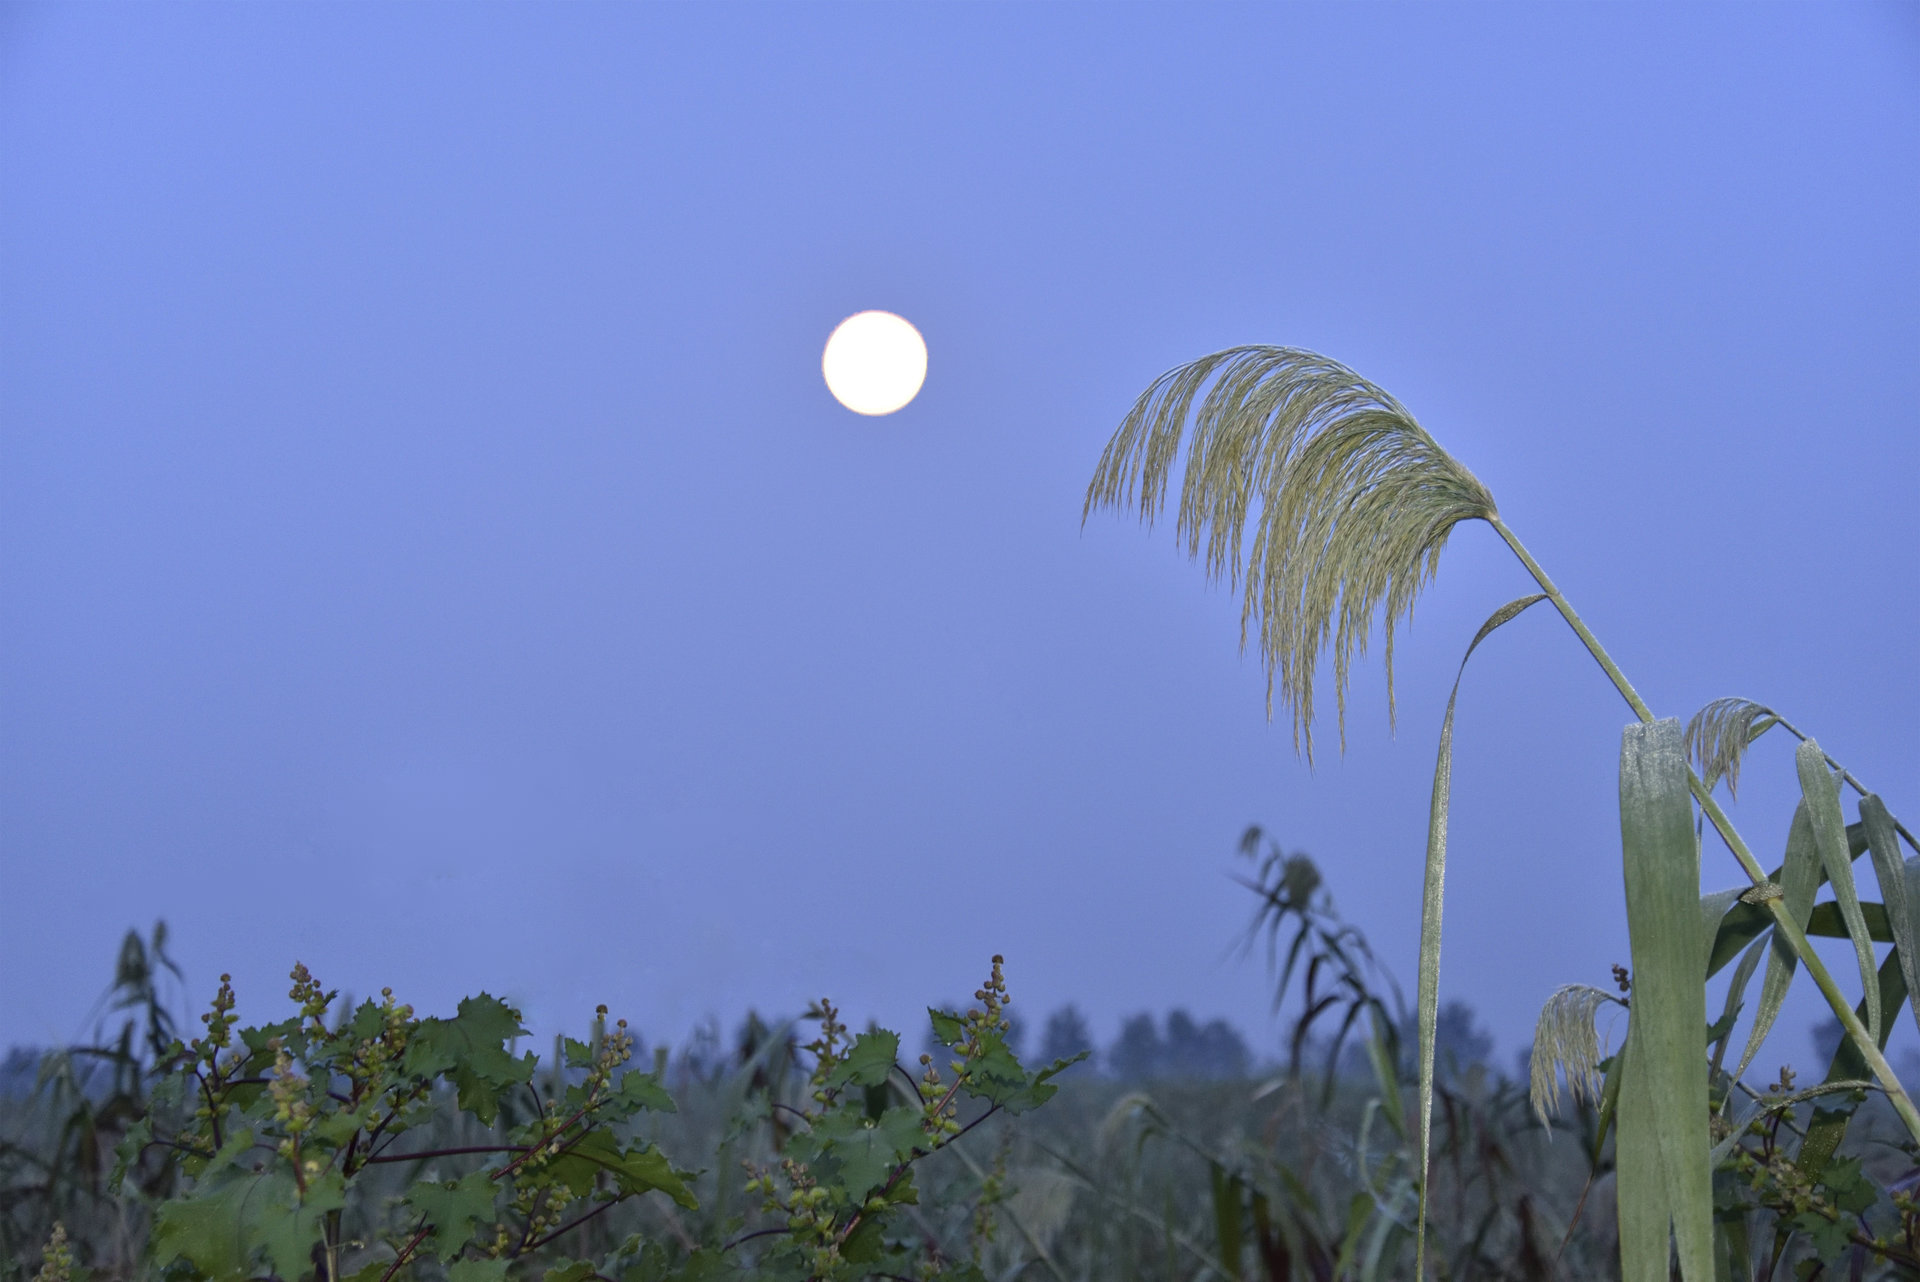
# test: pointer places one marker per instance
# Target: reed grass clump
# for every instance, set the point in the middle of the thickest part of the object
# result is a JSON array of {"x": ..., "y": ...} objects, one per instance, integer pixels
[{"x": 1320, "y": 495}]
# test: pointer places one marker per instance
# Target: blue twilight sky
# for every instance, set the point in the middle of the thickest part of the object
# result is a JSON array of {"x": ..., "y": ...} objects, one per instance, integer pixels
[{"x": 428, "y": 550}]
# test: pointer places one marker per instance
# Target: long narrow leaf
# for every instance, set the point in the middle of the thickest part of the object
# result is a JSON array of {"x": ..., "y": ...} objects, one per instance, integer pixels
[
  {"x": 1821, "y": 792},
  {"x": 1736, "y": 998},
  {"x": 1745, "y": 921},
  {"x": 1891, "y": 872},
  {"x": 1640, "y": 1182},
  {"x": 1800, "y": 874},
  {"x": 1663, "y": 1097},
  {"x": 1713, "y": 911},
  {"x": 1428, "y": 1004}
]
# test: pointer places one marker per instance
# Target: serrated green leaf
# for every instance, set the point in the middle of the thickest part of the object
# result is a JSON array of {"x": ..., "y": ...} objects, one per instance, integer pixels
[
  {"x": 454, "y": 1208},
  {"x": 1432, "y": 894},
  {"x": 470, "y": 1049},
  {"x": 482, "y": 1270},
  {"x": 994, "y": 1074},
  {"x": 336, "y": 1126},
  {"x": 636, "y": 1169},
  {"x": 642, "y": 1090},
  {"x": 1891, "y": 872},
  {"x": 290, "y": 1232},
  {"x": 865, "y": 1151},
  {"x": 1799, "y": 878},
  {"x": 224, "y": 1230},
  {"x": 572, "y": 1271},
  {"x": 948, "y": 1029},
  {"x": 643, "y": 1168},
  {"x": 127, "y": 1152},
  {"x": 208, "y": 1229},
  {"x": 1820, "y": 790},
  {"x": 375, "y": 1270},
  {"x": 868, "y": 1061},
  {"x": 1663, "y": 1141},
  {"x": 865, "y": 1244}
]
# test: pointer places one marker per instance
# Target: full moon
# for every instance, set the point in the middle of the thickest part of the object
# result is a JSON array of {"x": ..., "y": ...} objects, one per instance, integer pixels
[{"x": 874, "y": 362}]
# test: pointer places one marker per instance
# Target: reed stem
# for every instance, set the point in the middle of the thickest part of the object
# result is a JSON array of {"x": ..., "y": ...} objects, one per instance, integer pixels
[{"x": 1784, "y": 924}]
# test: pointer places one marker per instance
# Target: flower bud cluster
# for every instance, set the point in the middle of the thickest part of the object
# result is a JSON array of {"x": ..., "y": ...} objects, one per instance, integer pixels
[
  {"x": 57, "y": 1261},
  {"x": 1782, "y": 1184},
  {"x": 939, "y": 1114},
  {"x": 313, "y": 1002},
  {"x": 373, "y": 1055},
  {"x": 811, "y": 1216},
  {"x": 826, "y": 1047},
  {"x": 218, "y": 1021},
  {"x": 614, "y": 1051},
  {"x": 993, "y": 997},
  {"x": 290, "y": 1106}
]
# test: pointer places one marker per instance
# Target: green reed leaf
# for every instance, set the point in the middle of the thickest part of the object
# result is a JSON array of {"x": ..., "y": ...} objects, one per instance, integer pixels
[
  {"x": 1713, "y": 911},
  {"x": 1354, "y": 502},
  {"x": 1745, "y": 921},
  {"x": 1736, "y": 998},
  {"x": 1891, "y": 872},
  {"x": 1663, "y": 1142},
  {"x": 1228, "y": 1230},
  {"x": 1428, "y": 1003},
  {"x": 1799, "y": 877},
  {"x": 1646, "y": 1219},
  {"x": 1820, "y": 789}
]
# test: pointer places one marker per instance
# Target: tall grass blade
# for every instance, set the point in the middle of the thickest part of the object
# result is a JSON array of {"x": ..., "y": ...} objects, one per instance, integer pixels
[
  {"x": 1663, "y": 1142},
  {"x": 1736, "y": 998},
  {"x": 1640, "y": 1181},
  {"x": 1820, "y": 790},
  {"x": 1428, "y": 1003},
  {"x": 1891, "y": 872},
  {"x": 1800, "y": 876},
  {"x": 1228, "y": 1231},
  {"x": 1713, "y": 911}
]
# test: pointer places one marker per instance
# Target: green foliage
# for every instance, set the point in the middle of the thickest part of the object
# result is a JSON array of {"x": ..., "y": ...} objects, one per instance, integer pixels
[{"x": 278, "y": 1132}]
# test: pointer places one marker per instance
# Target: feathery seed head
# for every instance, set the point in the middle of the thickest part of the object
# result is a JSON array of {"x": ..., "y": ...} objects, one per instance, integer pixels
[
  {"x": 1354, "y": 501},
  {"x": 1564, "y": 1041},
  {"x": 1719, "y": 735}
]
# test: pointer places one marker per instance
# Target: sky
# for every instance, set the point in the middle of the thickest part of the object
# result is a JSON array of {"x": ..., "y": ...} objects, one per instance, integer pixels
[{"x": 429, "y": 552}]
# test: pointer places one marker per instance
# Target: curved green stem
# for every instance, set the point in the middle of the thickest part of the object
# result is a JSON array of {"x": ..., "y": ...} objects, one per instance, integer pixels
[{"x": 1784, "y": 924}]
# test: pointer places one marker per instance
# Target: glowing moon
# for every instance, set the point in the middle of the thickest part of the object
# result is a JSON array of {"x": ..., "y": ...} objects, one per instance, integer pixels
[{"x": 874, "y": 362}]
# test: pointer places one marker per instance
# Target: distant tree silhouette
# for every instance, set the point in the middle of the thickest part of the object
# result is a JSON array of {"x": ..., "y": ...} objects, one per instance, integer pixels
[
  {"x": 1138, "y": 1052},
  {"x": 1214, "y": 1051},
  {"x": 1459, "y": 1039},
  {"x": 1065, "y": 1035}
]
